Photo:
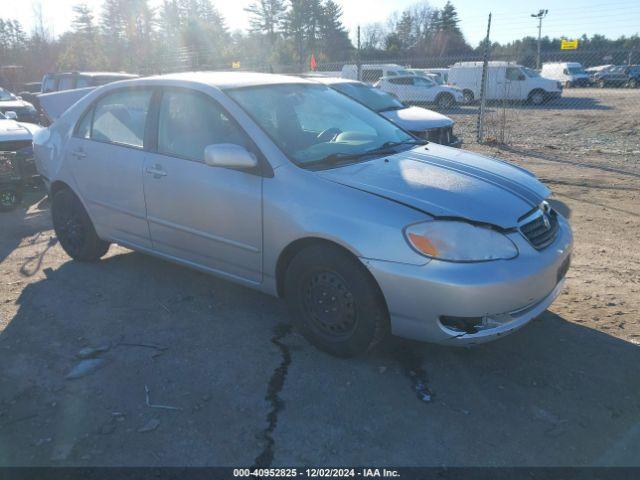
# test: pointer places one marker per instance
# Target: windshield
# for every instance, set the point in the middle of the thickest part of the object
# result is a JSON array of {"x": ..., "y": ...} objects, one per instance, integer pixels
[
  {"x": 530, "y": 73},
  {"x": 313, "y": 123},
  {"x": 371, "y": 97},
  {"x": 576, "y": 71},
  {"x": 4, "y": 95},
  {"x": 403, "y": 72}
]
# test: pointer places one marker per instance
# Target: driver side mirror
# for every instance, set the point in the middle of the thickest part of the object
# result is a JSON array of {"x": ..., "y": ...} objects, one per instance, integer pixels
[
  {"x": 11, "y": 115},
  {"x": 229, "y": 155},
  {"x": 521, "y": 77}
]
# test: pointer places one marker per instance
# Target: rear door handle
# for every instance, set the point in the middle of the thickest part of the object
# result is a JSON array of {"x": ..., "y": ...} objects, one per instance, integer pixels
[
  {"x": 79, "y": 154},
  {"x": 156, "y": 171}
]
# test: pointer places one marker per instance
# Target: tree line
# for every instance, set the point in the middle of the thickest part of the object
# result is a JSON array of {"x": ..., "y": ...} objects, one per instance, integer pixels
[{"x": 130, "y": 35}]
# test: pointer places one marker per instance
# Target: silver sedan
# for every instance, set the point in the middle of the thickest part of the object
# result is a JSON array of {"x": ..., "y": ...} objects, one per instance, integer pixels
[{"x": 289, "y": 187}]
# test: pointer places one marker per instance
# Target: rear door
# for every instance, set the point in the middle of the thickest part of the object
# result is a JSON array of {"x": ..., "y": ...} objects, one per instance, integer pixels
[
  {"x": 107, "y": 155},
  {"x": 208, "y": 216}
]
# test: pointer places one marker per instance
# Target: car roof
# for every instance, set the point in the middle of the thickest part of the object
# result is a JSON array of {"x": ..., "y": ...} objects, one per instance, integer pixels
[
  {"x": 334, "y": 80},
  {"x": 389, "y": 77},
  {"x": 225, "y": 80}
]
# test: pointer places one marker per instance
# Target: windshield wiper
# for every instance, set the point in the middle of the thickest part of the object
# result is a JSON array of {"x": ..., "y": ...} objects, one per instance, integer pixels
[
  {"x": 390, "y": 109},
  {"x": 384, "y": 149}
]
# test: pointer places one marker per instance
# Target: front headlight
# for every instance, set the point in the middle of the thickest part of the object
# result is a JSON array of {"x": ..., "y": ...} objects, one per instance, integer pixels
[{"x": 459, "y": 241}]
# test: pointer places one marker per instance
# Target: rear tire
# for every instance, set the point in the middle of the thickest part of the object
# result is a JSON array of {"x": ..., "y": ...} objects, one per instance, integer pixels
[
  {"x": 601, "y": 84},
  {"x": 633, "y": 83},
  {"x": 334, "y": 301},
  {"x": 74, "y": 228},
  {"x": 10, "y": 198},
  {"x": 445, "y": 101}
]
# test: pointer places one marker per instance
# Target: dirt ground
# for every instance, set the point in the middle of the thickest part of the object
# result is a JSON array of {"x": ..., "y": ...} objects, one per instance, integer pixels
[{"x": 244, "y": 389}]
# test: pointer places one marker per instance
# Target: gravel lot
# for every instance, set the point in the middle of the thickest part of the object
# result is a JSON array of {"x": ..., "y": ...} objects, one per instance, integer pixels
[{"x": 247, "y": 390}]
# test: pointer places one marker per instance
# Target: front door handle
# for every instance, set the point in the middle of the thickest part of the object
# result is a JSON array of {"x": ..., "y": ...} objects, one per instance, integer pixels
[
  {"x": 79, "y": 154},
  {"x": 156, "y": 171}
]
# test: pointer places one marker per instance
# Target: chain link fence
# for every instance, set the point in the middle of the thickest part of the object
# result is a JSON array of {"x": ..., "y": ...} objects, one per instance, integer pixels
[{"x": 580, "y": 102}]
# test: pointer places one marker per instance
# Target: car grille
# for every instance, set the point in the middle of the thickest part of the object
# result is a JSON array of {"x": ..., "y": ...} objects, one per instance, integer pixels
[
  {"x": 14, "y": 146},
  {"x": 541, "y": 234}
]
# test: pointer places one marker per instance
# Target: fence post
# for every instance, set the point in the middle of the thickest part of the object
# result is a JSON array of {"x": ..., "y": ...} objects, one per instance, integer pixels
[
  {"x": 483, "y": 84},
  {"x": 358, "y": 61}
]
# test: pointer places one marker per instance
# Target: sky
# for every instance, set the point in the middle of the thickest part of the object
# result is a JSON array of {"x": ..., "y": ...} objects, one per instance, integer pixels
[{"x": 511, "y": 20}]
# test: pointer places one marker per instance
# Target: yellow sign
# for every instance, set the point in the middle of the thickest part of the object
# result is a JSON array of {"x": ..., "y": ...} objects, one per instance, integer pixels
[
  {"x": 569, "y": 45},
  {"x": 235, "y": 65}
]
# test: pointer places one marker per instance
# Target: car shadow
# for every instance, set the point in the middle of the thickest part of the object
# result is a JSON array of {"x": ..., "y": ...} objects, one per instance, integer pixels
[
  {"x": 240, "y": 385},
  {"x": 30, "y": 219}
]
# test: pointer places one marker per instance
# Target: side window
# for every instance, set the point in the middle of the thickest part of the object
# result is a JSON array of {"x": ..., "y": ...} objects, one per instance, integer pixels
[
  {"x": 83, "y": 82},
  {"x": 120, "y": 117},
  {"x": 49, "y": 84},
  {"x": 402, "y": 81},
  {"x": 371, "y": 76},
  {"x": 66, "y": 83},
  {"x": 513, "y": 73},
  {"x": 189, "y": 121},
  {"x": 391, "y": 73}
]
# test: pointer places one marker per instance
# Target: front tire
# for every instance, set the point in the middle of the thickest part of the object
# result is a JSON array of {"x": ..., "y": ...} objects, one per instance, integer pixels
[
  {"x": 334, "y": 301},
  {"x": 468, "y": 97},
  {"x": 537, "y": 97},
  {"x": 74, "y": 228}
]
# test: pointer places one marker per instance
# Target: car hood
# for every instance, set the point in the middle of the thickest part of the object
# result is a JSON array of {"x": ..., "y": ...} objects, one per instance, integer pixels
[
  {"x": 416, "y": 119},
  {"x": 9, "y": 104},
  {"x": 447, "y": 182},
  {"x": 11, "y": 130}
]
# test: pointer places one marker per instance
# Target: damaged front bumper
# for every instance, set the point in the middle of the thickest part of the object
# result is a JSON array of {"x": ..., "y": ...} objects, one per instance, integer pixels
[{"x": 499, "y": 297}]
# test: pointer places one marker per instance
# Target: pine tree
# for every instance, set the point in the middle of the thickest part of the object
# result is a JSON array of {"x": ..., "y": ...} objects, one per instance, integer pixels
[{"x": 266, "y": 16}]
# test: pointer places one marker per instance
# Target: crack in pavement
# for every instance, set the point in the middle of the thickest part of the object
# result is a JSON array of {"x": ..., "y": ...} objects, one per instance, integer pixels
[
  {"x": 411, "y": 362},
  {"x": 276, "y": 383}
]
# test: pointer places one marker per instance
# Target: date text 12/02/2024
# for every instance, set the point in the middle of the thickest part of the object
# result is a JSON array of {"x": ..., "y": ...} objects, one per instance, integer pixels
[{"x": 316, "y": 472}]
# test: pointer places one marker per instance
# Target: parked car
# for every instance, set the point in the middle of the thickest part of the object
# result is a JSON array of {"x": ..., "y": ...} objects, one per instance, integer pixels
[
  {"x": 505, "y": 81},
  {"x": 17, "y": 166},
  {"x": 569, "y": 74},
  {"x": 373, "y": 72},
  {"x": 618, "y": 76},
  {"x": 633, "y": 74},
  {"x": 54, "y": 82},
  {"x": 424, "y": 73},
  {"x": 289, "y": 187},
  {"x": 24, "y": 111},
  {"x": 418, "y": 89},
  {"x": 422, "y": 123}
]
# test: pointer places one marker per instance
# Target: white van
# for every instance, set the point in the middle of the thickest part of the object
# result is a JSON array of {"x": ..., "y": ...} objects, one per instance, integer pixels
[
  {"x": 505, "y": 81},
  {"x": 373, "y": 72},
  {"x": 570, "y": 74}
]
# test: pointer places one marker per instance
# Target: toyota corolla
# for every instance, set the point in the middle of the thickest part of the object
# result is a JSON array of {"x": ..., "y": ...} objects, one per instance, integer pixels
[{"x": 289, "y": 187}]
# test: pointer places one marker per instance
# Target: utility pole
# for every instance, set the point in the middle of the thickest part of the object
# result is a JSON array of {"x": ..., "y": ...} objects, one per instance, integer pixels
[{"x": 540, "y": 15}]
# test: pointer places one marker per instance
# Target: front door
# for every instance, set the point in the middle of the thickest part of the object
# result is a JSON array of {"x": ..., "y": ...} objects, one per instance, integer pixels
[
  {"x": 208, "y": 216},
  {"x": 514, "y": 81},
  {"x": 107, "y": 155}
]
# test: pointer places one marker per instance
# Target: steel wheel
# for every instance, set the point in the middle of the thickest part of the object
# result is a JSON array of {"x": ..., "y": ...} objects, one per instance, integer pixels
[
  {"x": 330, "y": 305},
  {"x": 74, "y": 228}
]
